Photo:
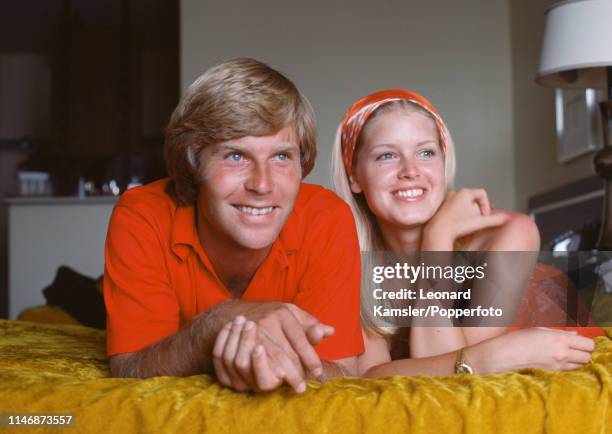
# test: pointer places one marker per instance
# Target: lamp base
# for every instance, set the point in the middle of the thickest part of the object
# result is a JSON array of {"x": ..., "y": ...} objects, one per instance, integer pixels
[{"x": 603, "y": 167}]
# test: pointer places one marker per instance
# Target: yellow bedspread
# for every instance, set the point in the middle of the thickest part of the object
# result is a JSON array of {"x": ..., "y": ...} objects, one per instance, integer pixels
[{"x": 62, "y": 369}]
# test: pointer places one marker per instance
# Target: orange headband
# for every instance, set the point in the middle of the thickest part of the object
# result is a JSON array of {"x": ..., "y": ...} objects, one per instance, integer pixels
[{"x": 360, "y": 111}]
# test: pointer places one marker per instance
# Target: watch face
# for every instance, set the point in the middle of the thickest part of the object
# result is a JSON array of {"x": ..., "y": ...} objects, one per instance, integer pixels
[{"x": 463, "y": 368}]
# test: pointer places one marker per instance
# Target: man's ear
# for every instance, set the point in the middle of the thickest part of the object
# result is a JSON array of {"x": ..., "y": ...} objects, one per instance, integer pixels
[{"x": 355, "y": 187}]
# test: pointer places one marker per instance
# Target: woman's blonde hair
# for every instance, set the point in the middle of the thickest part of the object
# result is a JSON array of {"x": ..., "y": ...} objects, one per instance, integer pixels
[{"x": 370, "y": 237}]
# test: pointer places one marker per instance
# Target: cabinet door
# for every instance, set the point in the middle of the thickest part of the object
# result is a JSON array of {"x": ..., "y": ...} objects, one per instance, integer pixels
[{"x": 43, "y": 237}]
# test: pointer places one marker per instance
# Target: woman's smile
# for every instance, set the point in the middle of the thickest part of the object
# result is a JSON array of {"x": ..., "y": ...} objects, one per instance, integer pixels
[{"x": 410, "y": 194}]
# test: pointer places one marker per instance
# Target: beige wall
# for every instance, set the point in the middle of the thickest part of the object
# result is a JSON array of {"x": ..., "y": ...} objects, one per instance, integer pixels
[
  {"x": 537, "y": 169},
  {"x": 457, "y": 53}
]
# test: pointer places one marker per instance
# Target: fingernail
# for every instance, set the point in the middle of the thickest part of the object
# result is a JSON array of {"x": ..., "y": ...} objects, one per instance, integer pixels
[
  {"x": 317, "y": 372},
  {"x": 239, "y": 320},
  {"x": 258, "y": 351},
  {"x": 249, "y": 325},
  {"x": 301, "y": 388}
]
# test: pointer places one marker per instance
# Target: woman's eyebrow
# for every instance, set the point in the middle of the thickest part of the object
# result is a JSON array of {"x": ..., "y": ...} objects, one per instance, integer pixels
[
  {"x": 381, "y": 145},
  {"x": 390, "y": 144},
  {"x": 427, "y": 142}
]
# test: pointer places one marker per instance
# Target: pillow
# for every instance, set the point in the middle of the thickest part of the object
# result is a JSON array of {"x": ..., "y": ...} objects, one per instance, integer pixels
[{"x": 77, "y": 295}]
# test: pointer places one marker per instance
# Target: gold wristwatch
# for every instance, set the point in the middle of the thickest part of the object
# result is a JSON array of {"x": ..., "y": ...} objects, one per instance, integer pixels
[{"x": 461, "y": 366}]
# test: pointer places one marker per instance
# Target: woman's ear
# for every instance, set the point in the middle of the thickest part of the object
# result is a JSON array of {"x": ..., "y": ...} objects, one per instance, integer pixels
[{"x": 355, "y": 187}]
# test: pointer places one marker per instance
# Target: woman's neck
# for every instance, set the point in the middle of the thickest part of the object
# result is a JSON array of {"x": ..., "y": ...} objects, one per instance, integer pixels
[{"x": 401, "y": 239}]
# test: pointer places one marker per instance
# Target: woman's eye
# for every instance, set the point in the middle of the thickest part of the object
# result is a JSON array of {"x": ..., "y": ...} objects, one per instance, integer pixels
[
  {"x": 385, "y": 156},
  {"x": 427, "y": 153}
]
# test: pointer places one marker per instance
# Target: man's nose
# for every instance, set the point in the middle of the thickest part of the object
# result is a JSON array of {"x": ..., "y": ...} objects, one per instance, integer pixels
[
  {"x": 260, "y": 179},
  {"x": 408, "y": 169}
]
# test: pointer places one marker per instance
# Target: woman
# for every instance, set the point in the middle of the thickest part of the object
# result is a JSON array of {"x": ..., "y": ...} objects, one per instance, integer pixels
[{"x": 394, "y": 165}]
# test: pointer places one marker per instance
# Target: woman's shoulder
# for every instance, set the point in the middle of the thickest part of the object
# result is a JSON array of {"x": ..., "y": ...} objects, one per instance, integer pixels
[{"x": 519, "y": 233}]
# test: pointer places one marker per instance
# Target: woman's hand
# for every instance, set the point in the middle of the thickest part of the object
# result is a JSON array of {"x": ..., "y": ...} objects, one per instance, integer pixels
[
  {"x": 536, "y": 347},
  {"x": 462, "y": 213}
]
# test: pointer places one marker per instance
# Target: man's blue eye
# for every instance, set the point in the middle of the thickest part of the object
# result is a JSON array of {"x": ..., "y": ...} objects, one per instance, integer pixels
[
  {"x": 235, "y": 156},
  {"x": 385, "y": 156},
  {"x": 282, "y": 156}
]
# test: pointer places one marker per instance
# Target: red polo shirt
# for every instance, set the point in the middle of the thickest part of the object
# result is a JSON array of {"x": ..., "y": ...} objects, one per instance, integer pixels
[{"x": 158, "y": 277}]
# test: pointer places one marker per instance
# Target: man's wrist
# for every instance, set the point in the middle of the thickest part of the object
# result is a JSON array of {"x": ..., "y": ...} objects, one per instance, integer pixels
[{"x": 205, "y": 327}]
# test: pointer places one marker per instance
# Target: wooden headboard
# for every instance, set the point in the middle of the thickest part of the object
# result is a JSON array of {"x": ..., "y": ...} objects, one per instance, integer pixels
[{"x": 571, "y": 207}]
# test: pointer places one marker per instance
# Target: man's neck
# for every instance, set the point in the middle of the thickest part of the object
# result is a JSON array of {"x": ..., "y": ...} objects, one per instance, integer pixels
[{"x": 235, "y": 266}]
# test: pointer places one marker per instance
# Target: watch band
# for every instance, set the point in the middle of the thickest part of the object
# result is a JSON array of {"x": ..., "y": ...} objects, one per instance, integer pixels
[{"x": 461, "y": 366}]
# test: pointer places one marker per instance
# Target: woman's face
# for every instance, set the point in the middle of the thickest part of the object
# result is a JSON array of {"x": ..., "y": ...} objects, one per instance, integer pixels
[{"x": 400, "y": 169}]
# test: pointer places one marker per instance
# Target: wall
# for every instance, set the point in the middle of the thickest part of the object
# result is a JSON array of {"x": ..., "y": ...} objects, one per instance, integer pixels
[
  {"x": 47, "y": 233},
  {"x": 455, "y": 53},
  {"x": 537, "y": 169},
  {"x": 10, "y": 157}
]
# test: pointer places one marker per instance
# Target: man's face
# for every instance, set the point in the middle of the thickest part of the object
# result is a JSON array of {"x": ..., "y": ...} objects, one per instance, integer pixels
[{"x": 247, "y": 190}]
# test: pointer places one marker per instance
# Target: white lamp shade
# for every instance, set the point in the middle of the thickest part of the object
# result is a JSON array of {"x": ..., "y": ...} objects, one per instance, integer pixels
[{"x": 577, "y": 44}]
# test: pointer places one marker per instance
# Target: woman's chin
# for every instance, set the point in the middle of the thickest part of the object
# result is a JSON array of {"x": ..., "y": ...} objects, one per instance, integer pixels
[{"x": 411, "y": 223}]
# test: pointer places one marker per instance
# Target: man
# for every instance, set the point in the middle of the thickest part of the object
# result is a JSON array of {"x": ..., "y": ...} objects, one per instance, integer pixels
[{"x": 235, "y": 234}]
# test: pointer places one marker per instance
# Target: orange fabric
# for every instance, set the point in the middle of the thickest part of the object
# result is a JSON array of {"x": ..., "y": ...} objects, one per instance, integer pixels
[
  {"x": 545, "y": 301},
  {"x": 158, "y": 277},
  {"x": 360, "y": 111}
]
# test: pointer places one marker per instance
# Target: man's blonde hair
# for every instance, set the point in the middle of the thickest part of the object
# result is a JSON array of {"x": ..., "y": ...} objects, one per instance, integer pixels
[{"x": 238, "y": 98}]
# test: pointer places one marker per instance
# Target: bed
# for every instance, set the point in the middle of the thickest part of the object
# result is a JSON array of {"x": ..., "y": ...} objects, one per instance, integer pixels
[{"x": 62, "y": 368}]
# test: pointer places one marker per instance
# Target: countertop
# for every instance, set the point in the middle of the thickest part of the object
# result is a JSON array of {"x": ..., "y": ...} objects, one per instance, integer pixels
[{"x": 60, "y": 200}]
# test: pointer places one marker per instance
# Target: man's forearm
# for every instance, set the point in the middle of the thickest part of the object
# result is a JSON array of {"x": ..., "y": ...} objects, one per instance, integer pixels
[{"x": 186, "y": 352}]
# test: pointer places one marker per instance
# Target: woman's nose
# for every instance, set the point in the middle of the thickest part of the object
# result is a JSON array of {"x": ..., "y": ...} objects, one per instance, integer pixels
[{"x": 408, "y": 169}]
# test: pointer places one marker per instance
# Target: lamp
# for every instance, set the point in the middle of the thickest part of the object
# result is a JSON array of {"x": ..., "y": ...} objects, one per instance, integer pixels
[{"x": 577, "y": 54}]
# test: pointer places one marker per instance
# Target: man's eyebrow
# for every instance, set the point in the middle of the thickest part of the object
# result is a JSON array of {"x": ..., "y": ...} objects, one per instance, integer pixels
[
  {"x": 228, "y": 147},
  {"x": 235, "y": 147},
  {"x": 284, "y": 147}
]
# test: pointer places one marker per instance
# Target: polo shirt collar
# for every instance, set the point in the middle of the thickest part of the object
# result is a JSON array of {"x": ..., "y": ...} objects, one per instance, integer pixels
[
  {"x": 184, "y": 234},
  {"x": 184, "y": 237}
]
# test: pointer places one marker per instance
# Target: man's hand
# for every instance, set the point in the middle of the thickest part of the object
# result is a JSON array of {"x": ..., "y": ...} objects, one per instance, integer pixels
[
  {"x": 286, "y": 332},
  {"x": 274, "y": 345},
  {"x": 242, "y": 365}
]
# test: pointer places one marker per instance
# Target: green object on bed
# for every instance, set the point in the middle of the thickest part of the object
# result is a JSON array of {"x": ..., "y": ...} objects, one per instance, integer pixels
[{"x": 47, "y": 369}]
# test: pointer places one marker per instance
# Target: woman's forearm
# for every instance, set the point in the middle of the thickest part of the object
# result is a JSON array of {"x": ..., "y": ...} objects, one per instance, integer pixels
[
  {"x": 440, "y": 365},
  {"x": 432, "y": 341},
  {"x": 443, "y": 364}
]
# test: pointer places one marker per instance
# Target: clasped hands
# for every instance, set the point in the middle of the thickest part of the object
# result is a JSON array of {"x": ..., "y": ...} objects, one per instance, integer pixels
[{"x": 271, "y": 344}]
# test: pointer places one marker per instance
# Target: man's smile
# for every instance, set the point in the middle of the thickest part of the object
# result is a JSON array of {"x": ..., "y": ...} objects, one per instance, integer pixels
[{"x": 255, "y": 211}]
